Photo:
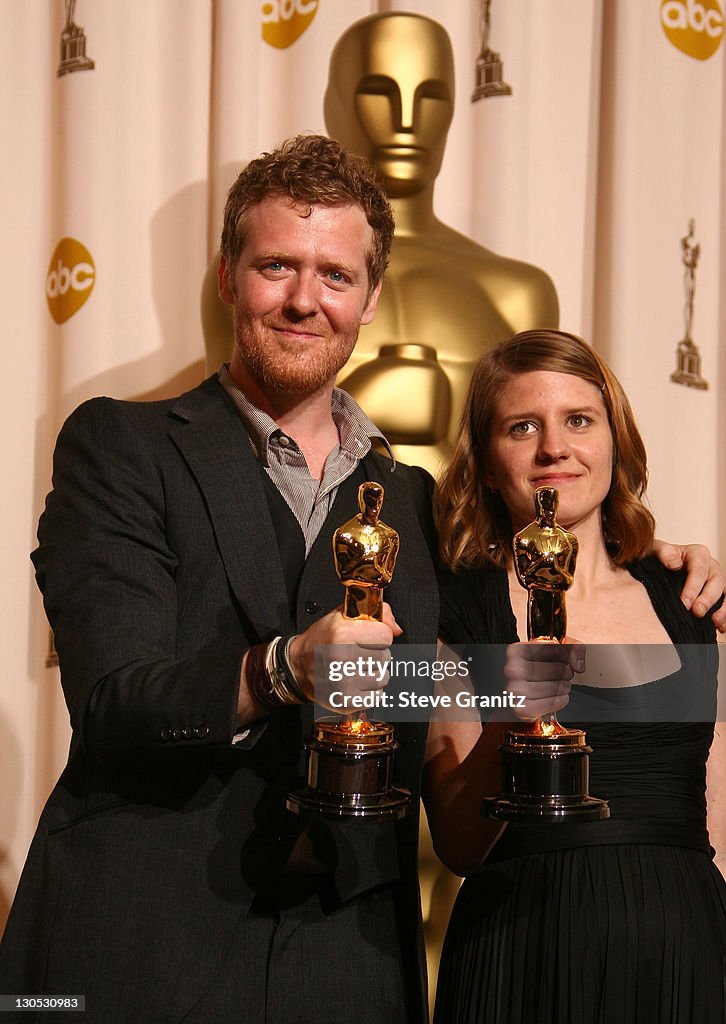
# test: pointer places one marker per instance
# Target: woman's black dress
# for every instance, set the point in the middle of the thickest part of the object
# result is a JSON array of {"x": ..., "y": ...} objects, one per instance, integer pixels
[{"x": 622, "y": 920}]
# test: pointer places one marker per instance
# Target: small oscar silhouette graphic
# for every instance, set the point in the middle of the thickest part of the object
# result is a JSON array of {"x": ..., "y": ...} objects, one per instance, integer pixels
[
  {"x": 688, "y": 370},
  {"x": 73, "y": 46}
]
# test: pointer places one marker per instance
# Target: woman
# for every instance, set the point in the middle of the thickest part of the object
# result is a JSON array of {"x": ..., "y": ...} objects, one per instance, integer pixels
[{"x": 618, "y": 920}]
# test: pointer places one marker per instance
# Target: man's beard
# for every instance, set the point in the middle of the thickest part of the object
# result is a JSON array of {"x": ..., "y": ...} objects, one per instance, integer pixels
[{"x": 296, "y": 368}]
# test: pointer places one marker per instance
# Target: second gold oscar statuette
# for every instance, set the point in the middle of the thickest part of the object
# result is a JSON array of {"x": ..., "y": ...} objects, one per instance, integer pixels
[{"x": 545, "y": 770}]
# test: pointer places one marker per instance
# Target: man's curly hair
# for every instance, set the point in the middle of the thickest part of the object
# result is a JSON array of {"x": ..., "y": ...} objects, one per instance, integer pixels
[{"x": 312, "y": 170}]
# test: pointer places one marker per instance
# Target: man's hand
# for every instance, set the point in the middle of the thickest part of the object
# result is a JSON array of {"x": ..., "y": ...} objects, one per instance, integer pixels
[
  {"x": 542, "y": 673},
  {"x": 363, "y": 642},
  {"x": 705, "y": 581}
]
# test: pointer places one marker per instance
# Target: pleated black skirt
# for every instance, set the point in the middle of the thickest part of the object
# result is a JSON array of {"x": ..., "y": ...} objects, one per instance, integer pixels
[{"x": 621, "y": 934}]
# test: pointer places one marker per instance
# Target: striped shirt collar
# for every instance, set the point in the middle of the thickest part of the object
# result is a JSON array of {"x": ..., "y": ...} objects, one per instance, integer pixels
[{"x": 355, "y": 430}]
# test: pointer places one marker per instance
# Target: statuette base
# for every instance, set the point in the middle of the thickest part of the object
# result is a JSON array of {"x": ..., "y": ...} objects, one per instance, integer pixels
[
  {"x": 350, "y": 765},
  {"x": 545, "y": 779}
]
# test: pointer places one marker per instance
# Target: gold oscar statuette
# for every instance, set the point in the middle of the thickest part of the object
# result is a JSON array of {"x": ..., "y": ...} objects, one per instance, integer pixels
[
  {"x": 545, "y": 769},
  {"x": 350, "y": 760}
]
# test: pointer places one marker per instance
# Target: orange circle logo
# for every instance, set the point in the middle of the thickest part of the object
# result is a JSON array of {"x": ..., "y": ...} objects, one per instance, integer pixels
[
  {"x": 693, "y": 26},
  {"x": 284, "y": 21},
  {"x": 70, "y": 280}
]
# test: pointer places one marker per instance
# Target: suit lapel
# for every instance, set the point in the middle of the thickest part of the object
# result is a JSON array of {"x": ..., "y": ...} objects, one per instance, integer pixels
[{"x": 210, "y": 436}]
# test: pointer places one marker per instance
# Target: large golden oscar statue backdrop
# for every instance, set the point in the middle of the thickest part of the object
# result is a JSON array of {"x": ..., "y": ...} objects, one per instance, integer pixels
[{"x": 445, "y": 298}]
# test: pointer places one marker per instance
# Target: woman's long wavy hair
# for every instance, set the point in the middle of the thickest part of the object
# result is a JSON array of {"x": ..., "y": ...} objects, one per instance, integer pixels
[{"x": 473, "y": 522}]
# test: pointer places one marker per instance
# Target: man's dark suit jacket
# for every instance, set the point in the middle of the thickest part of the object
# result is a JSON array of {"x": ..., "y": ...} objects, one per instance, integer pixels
[{"x": 164, "y": 554}]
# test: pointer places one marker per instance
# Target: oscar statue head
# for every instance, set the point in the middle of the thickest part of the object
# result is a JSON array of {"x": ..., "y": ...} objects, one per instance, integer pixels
[{"x": 390, "y": 96}]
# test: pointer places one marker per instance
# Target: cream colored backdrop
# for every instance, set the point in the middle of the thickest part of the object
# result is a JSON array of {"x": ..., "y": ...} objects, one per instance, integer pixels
[{"x": 613, "y": 138}]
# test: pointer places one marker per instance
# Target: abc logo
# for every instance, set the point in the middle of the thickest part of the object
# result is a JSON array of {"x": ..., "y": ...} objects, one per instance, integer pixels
[
  {"x": 694, "y": 26},
  {"x": 70, "y": 280},
  {"x": 284, "y": 21}
]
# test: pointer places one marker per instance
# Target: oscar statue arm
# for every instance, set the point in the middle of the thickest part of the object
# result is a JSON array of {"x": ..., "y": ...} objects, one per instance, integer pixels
[
  {"x": 565, "y": 561},
  {"x": 386, "y": 559},
  {"x": 529, "y": 568}
]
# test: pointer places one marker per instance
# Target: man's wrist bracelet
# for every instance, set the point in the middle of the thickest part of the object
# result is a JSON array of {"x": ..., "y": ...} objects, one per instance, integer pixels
[
  {"x": 282, "y": 657},
  {"x": 270, "y": 679},
  {"x": 256, "y": 678}
]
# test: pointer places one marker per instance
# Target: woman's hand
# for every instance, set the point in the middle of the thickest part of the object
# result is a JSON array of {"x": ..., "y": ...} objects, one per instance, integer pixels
[{"x": 542, "y": 673}]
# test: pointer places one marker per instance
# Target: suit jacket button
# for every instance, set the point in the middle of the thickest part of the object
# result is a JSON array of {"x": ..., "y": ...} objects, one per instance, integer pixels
[
  {"x": 176, "y": 734},
  {"x": 201, "y": 732},
  {"x": 311, "y": 607},
  {"x": 187, "y": 732},
  {"x": 164, "y": 734}
]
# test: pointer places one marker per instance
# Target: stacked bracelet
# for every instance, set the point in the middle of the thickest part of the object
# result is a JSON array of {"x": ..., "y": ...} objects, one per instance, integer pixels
[
  {"x": 282, "y": 652},
  {"x": 256, "y": 677},
  {"x": 269, "y": 676}
]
